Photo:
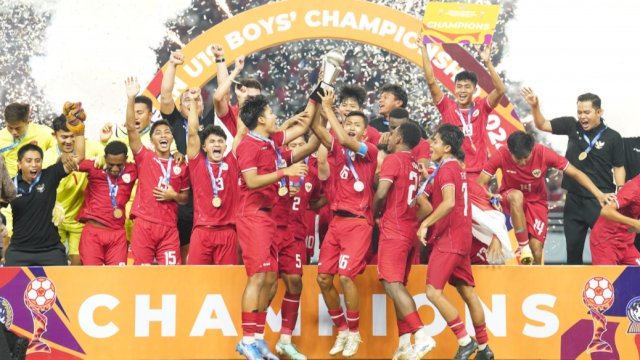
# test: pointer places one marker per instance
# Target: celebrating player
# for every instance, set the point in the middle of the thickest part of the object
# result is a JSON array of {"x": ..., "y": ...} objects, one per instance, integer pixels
[
  {"x": 162, "y": 184},
  {"x": 398, "y": 245},
  {"x": 347, "y": 241},
  {"x": 103, "y": 238},
  {"x": 449, "y": 226}
]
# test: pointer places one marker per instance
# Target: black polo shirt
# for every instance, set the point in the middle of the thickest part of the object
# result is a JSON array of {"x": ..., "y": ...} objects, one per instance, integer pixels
[
  {"x": 381, "y": 124},
  {"x": 632, "y": 157},
  {"x": 33, "y": 229},
  {"x": 179, "y": 128},
  {"x": 608, "y": 152}
]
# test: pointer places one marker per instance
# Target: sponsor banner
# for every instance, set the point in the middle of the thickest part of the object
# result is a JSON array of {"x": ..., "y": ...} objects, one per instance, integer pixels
[
  {"x": 456, "y": 23},
  {"x": 193, "y": 312},
  {"x": 360, "y": 21}
]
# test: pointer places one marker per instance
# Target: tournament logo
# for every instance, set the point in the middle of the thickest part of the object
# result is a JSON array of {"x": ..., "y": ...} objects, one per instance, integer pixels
[
  {"x": 39, "y": 297},
  {"x": 308, "y": 187},
  {"x": 598, "y": 296},
  {"x": 599, "y": 145},
  {"x": 537, "y": 173},
  {"x": 126, "y": 178},
  {"x": 6, "y": 313},
  {"x": 633, "y": 314}
]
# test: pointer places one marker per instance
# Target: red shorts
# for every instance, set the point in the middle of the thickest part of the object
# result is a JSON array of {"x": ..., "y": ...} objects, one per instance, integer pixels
[
  {"x": 281, "y": 238},
  {"x": 103, "y": 246},
  {"x": 447, "y": 267},
  {"x": 310, "y": 236},
  {"x": 535, "y": 213},
  {"x": 256, "y": 234},
  {"x": 395, "y": 257},
  {"x": 344, "y": 249},
  {"x": 292, "y": 255},
  {"x": 612, "y": 255},
  {"x": 213, "y": 246},
  {"x": 478, "y": 252},
  {"x": 325, "y": 215},
  {"x": 155, "y": 240}
]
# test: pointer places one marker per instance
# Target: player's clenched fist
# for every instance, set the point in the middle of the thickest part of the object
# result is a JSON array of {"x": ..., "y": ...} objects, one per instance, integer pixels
[{"x": 298, "y": 169}]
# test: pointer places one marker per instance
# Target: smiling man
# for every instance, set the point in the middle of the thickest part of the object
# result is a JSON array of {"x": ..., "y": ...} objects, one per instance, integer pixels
[{"x": 593, "y": 148}]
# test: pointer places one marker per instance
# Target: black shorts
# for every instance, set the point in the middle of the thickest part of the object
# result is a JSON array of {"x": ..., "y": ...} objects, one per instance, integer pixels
[
  {"x": 56, "y": 256},
  {"x": 185, "y": 221}
]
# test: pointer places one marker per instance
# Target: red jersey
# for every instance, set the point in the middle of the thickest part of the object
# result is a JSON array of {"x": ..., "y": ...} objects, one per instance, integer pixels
[
  {"x": 97, "y": 204},
  {"x": 399, "y": 217},
  {"x": 258, "y": 154},
  {"x": 452, "y": 233},
  {"x": 451, "y": 114},
  {"x": 150, "y": 175},
  {"x": 422, "y": 151},
  {"x": 310, "y": 190},
  {"x": 628, "y": 204},
  {"x": 230, "y": 119},
  {"x": 530, "y": 179},
  {"x": 345, "y": 197},
  {"x": 373, "y": 135},
  {"x": 226, "y": 177}
]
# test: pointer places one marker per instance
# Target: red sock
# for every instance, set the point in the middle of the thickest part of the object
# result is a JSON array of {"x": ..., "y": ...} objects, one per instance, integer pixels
[
  {"x": 338, "y": 319},
  {"x": 248, "y": 323},
  {"x": 403, "y": 328},
  {"x": 457, "y": 326},
  {"x": 261, "y": 319},
  {"x": 290, "y": 305},
  {"x": 353, "y": 320},
  {"x": 413, "y": 321},
  {"x": 481, "y": 334},
  {"x": 522, "y": 236}
]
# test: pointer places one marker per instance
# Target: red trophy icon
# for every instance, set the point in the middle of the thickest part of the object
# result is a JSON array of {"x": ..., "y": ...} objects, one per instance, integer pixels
[
  {"x": 39, "y": 297},
  {"x": 598, "y": 295}
]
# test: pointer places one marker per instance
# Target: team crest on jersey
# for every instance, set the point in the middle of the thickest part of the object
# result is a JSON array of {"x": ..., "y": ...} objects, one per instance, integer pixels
[
  {"x": 40, "y": 188},
  {"x": 126, "y": 178},
  {"x": 599, "y": 144},
  {"x": 475, "y": 113},
  {"x": 177, "y": 170},
  {"x": 308, "y": 187},
  {"x": 225, "y": 166},
  {"x": 537, "y": 173}
]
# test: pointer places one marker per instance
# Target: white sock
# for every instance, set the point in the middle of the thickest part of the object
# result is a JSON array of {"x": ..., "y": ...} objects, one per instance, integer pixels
[
  {"x": 462, "y": 341},
  {"x": 482, "y": 347},
  {"x": 405, "y": 340},
  {"x": 421, "y": 335},
  {"x": 343, "y": 332},
  {"x": 259, "y": 336},
  {"x": 248, "y": 340},
  {"x": 285, "y": 339}
]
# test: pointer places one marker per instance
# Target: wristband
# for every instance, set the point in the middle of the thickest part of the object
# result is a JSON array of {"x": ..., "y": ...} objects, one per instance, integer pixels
[
  {"x": 280, "y": 174},
  {"x": 220, "y": 60}
]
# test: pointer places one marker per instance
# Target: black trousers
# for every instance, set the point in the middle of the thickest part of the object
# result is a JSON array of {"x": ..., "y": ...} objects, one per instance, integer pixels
[
  {"x": 56, "y": 256},
  {"x": 580, "y": 214},
  {"x": 185, "y": 221}
]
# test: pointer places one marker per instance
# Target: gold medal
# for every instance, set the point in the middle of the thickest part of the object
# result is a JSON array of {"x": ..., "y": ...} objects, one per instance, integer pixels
[
  {"x": 117, "y": 213},
  {"x": 216, "y": 202},
  {"x": 282, "y": 191},
  {"x": 582, "y": 156}
]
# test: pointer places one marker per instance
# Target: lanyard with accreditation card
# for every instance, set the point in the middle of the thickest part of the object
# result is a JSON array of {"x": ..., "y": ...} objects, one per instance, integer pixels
[
  {"x": 431, "y": 177},
  {"x": 583, "y": 155}
]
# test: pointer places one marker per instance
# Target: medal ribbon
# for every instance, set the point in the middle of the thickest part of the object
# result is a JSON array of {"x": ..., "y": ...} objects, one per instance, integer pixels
[
  {"x": 166, "y": 173},
  {"x": 283, "y": 181},
  {"x": 34, "y": 183},
  {"x": 213, "y": 180},
  {"x": 467, "y": 124},
  {"x": 113, "y": 189},
  {"x": 351, "y": 168},
  {"x": 431, "y": 177}
]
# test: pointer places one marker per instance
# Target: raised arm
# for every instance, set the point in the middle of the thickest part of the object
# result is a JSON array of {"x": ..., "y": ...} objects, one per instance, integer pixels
[
  {"x": 539, "y": 119},
  {"x": 133, "y": 88},
  {"x": 341, "y": 135},
  {"x": 324, "y": 170},
  {"x": 193, "y": 138},
  {"x": 434, "y": 88},
  {"x": 223, "y": 93},
  {"x": 167, "y": 105},
  {"x": 498, "y": 86},
  {"x": 306, "y": 149},
  {"x": 301, "y": 122},
  {"x": 584, "y": 180}
]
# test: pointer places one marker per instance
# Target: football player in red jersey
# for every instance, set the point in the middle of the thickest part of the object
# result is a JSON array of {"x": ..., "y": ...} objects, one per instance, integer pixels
[
  {"x": 398, "y": 246},
  {"x": 523, "y": 192},
  {"x": 449, "y": 227}
]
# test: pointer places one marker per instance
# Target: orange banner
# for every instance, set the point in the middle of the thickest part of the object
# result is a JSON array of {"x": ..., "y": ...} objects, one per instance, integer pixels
[{"x": 191, "y": 312}]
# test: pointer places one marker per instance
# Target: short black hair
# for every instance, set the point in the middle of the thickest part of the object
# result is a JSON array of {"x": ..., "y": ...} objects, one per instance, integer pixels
[
  {"x": 29, "y": 147},
  {"x": 158, "y": 123},
  {"x": 595, "y": 100},
  {"x": 396, "y": 90},
  {"x": 451, "y": 135},
  {"x": 16, "y": 112},
  {"x": 399, "y": 113},
  {"x": 410, "y": 133},
  {"x": 60, "y": 124},
  {"x": 520, "y": 144},
  {"x": 250, "y": 83},
  {"x": 212, "y": 130},
  {"x": 467, "y": 75},
  {"x": 116, "y": 148},
  {"x": 252, "y": 109},
  {"x": 141, "y": 99},
  {"x": 361, "y": 114},
  {"x": 355, "y": 92}
]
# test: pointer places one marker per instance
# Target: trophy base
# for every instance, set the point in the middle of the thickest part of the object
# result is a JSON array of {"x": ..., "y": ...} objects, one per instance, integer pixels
[
  {"x": 320, "y": 90},
  {"x": 599, "y": 346},
  {"x": 38, "y": 346}
]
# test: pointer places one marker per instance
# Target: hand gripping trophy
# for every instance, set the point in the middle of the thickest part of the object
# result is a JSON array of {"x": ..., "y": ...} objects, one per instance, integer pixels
[
  {"x": 330, "y": 69},
  {"x": 39, "y": 297}
]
